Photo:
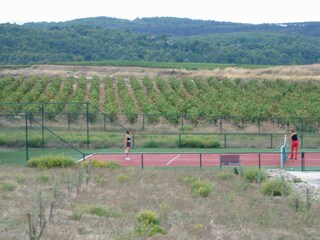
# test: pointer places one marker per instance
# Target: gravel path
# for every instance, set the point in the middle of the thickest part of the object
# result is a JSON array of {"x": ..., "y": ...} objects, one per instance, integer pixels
[{"x": 306, "y": 181}]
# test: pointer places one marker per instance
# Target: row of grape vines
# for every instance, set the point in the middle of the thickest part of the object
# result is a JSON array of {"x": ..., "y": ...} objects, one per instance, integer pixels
[{"x": 194, "y": 98}]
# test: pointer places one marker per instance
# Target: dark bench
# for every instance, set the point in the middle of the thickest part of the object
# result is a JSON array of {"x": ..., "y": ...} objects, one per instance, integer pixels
[{"x": 229, "y": 159}]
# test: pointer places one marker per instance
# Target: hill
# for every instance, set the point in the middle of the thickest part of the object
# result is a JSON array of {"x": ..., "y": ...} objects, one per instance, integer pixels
[
  {"x": 184, "y": 26},
  {"x": 160, "y": 40}
]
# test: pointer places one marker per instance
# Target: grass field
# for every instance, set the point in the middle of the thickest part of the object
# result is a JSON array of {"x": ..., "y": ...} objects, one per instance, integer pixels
[{"x": 105, "y": 203}]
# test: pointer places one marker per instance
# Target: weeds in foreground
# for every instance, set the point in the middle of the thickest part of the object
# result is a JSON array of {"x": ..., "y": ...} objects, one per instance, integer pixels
[
  {"x": 148, "y": 224},
  {"x": 179, "y": 203},
  {"x": 199, "y": 187}
]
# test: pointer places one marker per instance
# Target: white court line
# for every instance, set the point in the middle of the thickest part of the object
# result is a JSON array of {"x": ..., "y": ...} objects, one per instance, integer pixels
[
  {"x": 82, "y": 159},
  {"x": 173, "y": 159}
]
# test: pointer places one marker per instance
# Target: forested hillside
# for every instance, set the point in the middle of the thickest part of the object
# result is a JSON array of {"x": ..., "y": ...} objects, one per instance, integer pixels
[{"x": 160, "y": 40}]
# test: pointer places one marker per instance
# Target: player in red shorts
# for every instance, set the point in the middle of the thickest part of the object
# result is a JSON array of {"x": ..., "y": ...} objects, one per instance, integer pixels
[{"x": 294, "y": 144}]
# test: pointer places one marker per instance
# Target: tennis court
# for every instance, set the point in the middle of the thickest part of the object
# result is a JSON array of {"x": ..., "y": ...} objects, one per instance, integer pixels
[{"x": 308, "y": 160}]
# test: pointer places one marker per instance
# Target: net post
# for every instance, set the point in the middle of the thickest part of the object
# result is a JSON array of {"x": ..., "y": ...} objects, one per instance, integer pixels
[
  {"x": 259, "y": 159},
  {"x": 283, "y": 152}
]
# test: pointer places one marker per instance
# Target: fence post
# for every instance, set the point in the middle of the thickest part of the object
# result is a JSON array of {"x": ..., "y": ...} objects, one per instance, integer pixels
[
  {"x": 142, "y": 160},
  {"x": 181, "y": 123},
  {"x": 302, "y": 162},
  {"x": 104, "y": 121},
  {"x": 69, "y": 120},
  {"x": 201, "y": 160},
  {"x": 42, "y": 127},
  {"x": 271, "y": 140},
  {"x": 143, "y": 119},
  {"x": 27, "y": 147},
  {"x": 88, "y": 142},
  {"x": 225, "y": 140}
]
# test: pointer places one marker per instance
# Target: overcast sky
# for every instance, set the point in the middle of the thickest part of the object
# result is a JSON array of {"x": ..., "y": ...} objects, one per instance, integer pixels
[{"x": 240, "y": 11}]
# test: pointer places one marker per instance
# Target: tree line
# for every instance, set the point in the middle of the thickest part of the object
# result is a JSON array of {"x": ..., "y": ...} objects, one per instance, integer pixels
[{"x": 159, "y": 40}]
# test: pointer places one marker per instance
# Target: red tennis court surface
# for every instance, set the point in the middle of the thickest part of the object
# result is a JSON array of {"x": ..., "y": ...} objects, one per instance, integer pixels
[{"x": 205, "y": 159}]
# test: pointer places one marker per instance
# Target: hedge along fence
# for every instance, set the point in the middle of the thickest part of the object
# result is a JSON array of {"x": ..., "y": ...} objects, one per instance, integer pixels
[
  {"x": 13, "y": 131},
  {"x": 218, "y": 140}
]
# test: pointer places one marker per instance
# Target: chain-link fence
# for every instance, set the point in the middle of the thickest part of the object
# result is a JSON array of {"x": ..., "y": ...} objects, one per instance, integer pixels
[{"x": 68, "y": 125}]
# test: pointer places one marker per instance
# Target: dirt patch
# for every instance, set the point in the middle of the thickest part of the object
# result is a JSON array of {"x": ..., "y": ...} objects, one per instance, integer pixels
[{"x": 298, "y": 72}]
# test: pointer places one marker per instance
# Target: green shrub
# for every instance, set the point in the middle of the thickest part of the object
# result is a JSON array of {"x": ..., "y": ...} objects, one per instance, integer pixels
[
  {"x": 95, "y": 163},
  {"x": 98, "y": 210},
  {"x": 112, "y": 165},
  {"x": 297, "y": 180},
  {"x": 276, "y": 187},
  {"x": 199, "y": 143},
  {"x": 148, "y": 224},
  {"x": 255, "y": 175},
  {"x": 82, "y": 231},
  {"x": 203, "y": 189},
  {"x": 20, "y": 179},
  {"x": 44, "y": 178},
  {"x": 123, "y": 178},
  {"x": 211, "y": 143},
  {"x": 154, "y": 144},
  {"x": 199, "y": 188},
  {"x": 225, "y": 175},
  {"x": 76, "y": 216},
  {"x": 298, "y": 204},
  {"x": 101, "y": 211},
  {"x": 101, "y": 164},
  {"x": 10, "y": 187},
  {"x": 147, "y": 217},
  {"x": 35, "y": 142},
  {"x": 51, "y": 161}
]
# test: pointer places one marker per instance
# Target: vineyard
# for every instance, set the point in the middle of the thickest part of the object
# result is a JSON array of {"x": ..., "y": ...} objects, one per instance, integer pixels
[{"x": 196, "y": 100}]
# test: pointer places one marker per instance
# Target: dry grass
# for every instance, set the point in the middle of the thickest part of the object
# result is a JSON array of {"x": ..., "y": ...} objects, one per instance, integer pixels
[
  {"x": 234, "y": 210},
  {"x": 292, "y": 72}
]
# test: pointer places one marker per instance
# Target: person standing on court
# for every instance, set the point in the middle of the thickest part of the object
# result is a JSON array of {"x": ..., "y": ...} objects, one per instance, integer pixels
[
  {"x": 127, "y": 142},
  {"x": 294, "y": 144}
]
